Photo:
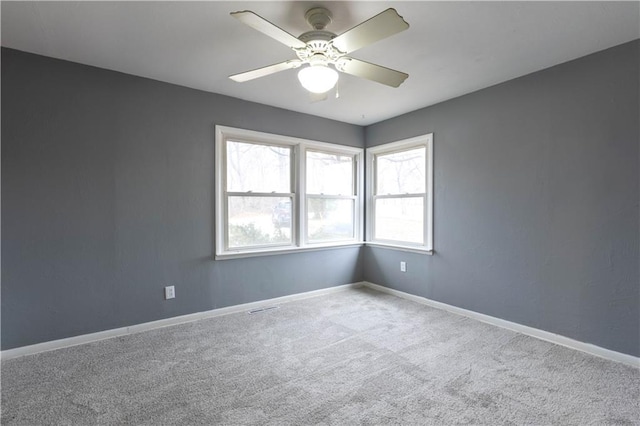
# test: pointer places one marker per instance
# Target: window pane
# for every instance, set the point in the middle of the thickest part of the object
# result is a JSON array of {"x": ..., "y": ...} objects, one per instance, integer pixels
[
  {"x": 258, "y": 168},
  {"x": 329, "y": 219},
  {"x": 329, "y": 174},
  {"x": 400, "y": 219},
  {"x": 258, "y": 221},
  {"x": 401, "y": 172}
]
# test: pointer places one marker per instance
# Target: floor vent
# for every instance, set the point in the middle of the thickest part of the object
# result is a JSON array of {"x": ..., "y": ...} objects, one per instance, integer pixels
[{"x": 259, "y": 310}]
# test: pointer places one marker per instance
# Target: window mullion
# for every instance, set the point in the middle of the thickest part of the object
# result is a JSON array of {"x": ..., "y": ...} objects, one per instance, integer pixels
[{"x": 299, "y": 174}]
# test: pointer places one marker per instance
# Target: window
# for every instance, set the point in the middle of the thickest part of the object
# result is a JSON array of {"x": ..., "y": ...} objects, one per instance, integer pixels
[
  {"x": 259, "y": 181},
  {"x": 330, "y": 197},
  {"x": 276, "y": 193},
  {"x": 400, "y": 187}
]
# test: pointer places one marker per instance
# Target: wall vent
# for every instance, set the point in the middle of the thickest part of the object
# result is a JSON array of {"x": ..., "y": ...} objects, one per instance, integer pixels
[{"x": 259, "y": 310}]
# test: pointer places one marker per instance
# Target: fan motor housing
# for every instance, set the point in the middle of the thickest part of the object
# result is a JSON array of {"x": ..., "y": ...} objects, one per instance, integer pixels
[
  {"x": 317, "y": 46},
  {"x": 316, "y": 35}
]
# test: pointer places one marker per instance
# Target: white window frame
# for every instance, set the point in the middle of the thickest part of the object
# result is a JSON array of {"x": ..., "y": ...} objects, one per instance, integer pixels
[
  {"x": 357, "y": 200},
  {"x": 425, "y": 141},
  {"x": 298, "y": 185}
]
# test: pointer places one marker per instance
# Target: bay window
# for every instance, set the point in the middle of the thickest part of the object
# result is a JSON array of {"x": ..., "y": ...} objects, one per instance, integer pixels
[{"x": 276, "y": 194}]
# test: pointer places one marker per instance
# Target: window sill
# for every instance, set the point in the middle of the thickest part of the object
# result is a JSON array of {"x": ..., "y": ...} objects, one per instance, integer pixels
[
  {"x": 400, "y": 248},
  {"x": 285, "y": 250}
]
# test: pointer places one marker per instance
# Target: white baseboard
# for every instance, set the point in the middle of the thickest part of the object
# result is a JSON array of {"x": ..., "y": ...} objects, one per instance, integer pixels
[
  {"x": 123, "y": 331},
  {"x": 523, "y": 329}
]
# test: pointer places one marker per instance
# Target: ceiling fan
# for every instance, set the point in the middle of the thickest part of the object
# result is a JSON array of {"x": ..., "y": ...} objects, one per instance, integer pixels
[{"x": 317, "y": 50}]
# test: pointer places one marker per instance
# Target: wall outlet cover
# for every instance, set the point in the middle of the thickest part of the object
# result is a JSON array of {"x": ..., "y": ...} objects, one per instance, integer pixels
[{"x": 169, "y": 292}]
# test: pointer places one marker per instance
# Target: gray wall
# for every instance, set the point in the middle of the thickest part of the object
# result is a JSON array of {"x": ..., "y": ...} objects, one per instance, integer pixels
[
  {"x": 107, "y": 196},
  {"x": 536, "y": 201}
]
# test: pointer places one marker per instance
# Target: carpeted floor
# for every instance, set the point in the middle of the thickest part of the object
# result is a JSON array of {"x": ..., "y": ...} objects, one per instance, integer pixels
[{"x": 354, "y": 357}]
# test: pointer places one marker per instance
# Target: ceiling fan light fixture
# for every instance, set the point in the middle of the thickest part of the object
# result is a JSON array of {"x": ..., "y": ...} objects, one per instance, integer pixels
[
  {"x": 318, "y": 78},
  {"x": 319, "y": 48}
]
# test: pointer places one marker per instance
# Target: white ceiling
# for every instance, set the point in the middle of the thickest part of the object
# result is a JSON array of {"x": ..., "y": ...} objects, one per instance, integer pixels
[{"x": 450, "y": 49}]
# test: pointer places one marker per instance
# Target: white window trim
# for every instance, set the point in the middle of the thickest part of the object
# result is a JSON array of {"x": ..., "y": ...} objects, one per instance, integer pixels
[
  {"x": 357, "y": 197},
  {"x": 299, "y": 146},
  {"x": 418, "y": 141}
]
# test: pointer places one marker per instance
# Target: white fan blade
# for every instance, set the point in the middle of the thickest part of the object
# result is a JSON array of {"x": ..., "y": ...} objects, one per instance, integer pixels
[
  {"x": 264, "y": 71},
  {"x": 381, "y": 26},
  {"x": 259, "y": 23},
  {"x": 370, "y": 71}
]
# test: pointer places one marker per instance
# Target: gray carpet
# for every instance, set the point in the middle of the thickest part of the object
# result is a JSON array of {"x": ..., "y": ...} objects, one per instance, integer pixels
[{"x": 354, "y": 357}]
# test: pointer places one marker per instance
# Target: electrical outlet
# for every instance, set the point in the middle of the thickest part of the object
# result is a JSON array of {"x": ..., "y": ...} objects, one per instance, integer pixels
[
  {"x": 403, "y": 266},
  {"x": 169, "y": 292}
]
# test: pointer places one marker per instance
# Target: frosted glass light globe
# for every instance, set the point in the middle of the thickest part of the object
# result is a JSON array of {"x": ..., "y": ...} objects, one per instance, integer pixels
[{"x": 318, "y": 78}]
